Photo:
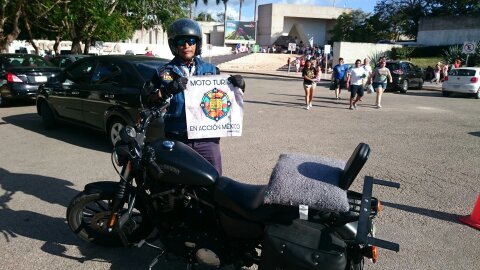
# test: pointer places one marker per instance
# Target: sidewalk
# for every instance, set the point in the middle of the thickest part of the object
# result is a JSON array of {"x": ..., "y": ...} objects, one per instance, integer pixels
[{"x": 325, "y": 77}]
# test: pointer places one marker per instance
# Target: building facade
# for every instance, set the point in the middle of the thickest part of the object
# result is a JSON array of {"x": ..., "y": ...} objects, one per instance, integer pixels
[{"x": 310, "y": 24}]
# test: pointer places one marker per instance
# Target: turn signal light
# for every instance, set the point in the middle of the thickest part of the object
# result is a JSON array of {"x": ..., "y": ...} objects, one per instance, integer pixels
[
  {"x": 379, "y": 207},
  {"x": 474, "y": 79},
  {"x": 13, "y": 78},
  {"x": 370, "y": 252}
]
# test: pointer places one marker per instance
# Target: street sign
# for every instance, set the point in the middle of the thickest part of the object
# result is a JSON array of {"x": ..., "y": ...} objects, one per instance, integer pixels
[
  {"x": 469, "y": 47},
  {"x": 292, "y": 47},
  {"x": 327, "y": 49}
]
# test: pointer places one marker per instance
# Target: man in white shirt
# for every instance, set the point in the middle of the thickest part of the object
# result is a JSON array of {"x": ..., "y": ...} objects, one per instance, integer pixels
[{"x": 355, "y": 77}]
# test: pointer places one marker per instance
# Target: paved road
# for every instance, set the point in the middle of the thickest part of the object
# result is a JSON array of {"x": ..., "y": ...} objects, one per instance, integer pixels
[{"x": 430, "y": 144}]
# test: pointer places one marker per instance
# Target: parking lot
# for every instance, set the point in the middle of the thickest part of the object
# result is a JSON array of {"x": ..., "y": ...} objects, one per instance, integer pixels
[{"x": 428, "y": 143}]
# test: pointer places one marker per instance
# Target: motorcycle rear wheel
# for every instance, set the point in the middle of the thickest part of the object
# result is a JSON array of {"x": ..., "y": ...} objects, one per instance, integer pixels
[{"x": 88, "y": 215}]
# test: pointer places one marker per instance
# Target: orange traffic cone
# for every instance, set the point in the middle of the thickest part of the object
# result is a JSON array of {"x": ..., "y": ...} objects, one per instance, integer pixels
[{"x": 474, "y": 218}]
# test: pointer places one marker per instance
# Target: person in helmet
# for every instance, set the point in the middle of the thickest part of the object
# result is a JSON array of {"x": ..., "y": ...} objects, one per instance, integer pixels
[{"x": 185, "y": 42}]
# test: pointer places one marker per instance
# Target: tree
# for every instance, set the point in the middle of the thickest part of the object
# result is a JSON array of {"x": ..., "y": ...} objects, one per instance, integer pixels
[
  {"x": 455, "y": 7},
  {"x": 354, "y": 27},
  {"x": 10, "y": 14},
  {"x": 99, "y": 20},
  {"x": 204, "y": 17}
]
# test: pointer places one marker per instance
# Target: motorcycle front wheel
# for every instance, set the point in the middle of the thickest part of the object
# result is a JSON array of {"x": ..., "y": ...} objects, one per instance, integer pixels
[{"x": 88, "y": 215}]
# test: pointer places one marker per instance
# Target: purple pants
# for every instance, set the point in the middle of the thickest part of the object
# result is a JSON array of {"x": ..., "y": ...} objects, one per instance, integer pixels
[{"x": 208, "y": 148}]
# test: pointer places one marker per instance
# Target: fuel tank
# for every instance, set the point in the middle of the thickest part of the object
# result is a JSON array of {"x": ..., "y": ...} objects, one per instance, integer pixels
[{"x": 183, "y": 165}]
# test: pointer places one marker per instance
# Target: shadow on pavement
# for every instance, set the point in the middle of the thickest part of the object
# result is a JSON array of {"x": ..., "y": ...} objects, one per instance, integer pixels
[
  {"x": 54, "y": 231},
  {"x": 424, "y": 212},
  {"x": 68, "y": 133},
  {"x": 422, "y": 93},
  {"x": 475, "y": 133},
  {"x": 19, "y": 103}
]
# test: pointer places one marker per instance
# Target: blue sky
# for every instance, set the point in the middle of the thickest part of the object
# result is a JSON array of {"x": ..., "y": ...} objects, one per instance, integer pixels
[{"x": 248, "y": 6}]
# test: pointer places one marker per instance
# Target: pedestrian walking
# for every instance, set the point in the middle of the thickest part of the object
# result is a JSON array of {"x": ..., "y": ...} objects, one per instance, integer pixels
[
  {"x": 457, "y": 63},
  {"x": 355, "y": 77},
  {"x": 338, "y": 77},
  {"x": 367, "y": 80},
  {"x": 309, "y": 84},
  {"x": 444, "y": 72},
  {"x": 437, "y": 71},
  {"x": 297, "y": 64},
  {"x": 380, "y": 76}
]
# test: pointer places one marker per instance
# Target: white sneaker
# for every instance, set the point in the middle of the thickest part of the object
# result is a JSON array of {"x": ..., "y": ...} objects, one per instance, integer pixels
[
  {"x": 379, "y": 106},
  {"x": 310, "y": 104},
  {"x": 307, "y": 108}
]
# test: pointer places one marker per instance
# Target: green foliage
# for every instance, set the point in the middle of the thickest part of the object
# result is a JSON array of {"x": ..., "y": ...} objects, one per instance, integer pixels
[
  {"x": 401, "y": 53},
  {"x": 204, "y": 17},
  {"x": 456, "y": 51},
  {"x": 375, "y": 57},
  {"x": 354, "y": 27}
]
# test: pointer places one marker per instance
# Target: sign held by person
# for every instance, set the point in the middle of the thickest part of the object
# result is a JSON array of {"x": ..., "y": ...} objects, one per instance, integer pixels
[{"x": 213, "y": 107}]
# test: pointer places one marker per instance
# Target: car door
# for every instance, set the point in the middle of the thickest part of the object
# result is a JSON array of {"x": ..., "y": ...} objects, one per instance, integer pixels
[
  {"x": 108, "y": 77},
  {"x": 416, "y": 76},
  {"x": 76, "y": 82}
]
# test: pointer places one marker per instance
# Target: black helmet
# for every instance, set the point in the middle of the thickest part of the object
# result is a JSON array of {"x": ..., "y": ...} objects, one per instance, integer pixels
[{"x": 184, "y": 28}]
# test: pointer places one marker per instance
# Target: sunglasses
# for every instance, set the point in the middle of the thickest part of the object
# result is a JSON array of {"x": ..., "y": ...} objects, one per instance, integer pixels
[{"x": 182, "y": 41}]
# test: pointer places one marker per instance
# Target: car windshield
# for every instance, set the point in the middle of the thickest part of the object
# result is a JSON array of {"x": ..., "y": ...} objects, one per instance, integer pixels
[
  {"x": 26, "y": 61},
  {"x": 148, "y": 68},
  {"x": 462, "y": 72}
]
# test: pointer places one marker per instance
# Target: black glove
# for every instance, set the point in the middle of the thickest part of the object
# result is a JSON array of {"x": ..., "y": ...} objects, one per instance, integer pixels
[
  {"x": 175, "y": 86},
  {"x": 237, "y": 81}
]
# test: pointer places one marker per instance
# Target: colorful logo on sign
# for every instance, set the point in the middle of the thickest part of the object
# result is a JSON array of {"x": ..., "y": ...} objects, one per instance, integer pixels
[{"x": 215, "y": 104}]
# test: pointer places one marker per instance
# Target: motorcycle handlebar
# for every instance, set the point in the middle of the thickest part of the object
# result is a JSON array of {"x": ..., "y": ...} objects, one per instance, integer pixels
[{"x": 153, "y": 112}]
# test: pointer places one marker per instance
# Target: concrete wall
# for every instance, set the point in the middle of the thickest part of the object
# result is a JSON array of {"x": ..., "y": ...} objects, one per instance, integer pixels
[
  {"x": 434, "y": 31},
  {"x": 351, "y": 51},
  {"x": 275, "y": 20}
]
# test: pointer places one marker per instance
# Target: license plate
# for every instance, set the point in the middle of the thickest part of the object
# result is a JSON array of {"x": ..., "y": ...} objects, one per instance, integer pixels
[{"x": 41, "y": 78}]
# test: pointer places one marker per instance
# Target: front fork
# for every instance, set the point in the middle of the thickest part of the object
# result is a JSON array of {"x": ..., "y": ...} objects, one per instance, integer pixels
[{"x": 116, "y": 222}]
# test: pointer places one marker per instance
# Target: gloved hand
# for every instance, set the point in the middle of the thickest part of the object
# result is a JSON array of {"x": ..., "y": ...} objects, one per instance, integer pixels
[
  {"x": 175, "y": 86},
  {"x": 237, "y": 81}
]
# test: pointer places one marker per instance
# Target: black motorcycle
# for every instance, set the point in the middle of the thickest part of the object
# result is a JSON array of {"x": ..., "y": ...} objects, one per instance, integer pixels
[{"x": 169, "y": 194}]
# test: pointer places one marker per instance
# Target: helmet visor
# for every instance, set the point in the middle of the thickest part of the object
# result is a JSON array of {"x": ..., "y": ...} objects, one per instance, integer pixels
[{"x": 182, "y": 40}]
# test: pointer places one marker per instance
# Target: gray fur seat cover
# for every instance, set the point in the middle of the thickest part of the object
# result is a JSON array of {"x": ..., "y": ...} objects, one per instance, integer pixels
[{"x": 308, "y": 180}]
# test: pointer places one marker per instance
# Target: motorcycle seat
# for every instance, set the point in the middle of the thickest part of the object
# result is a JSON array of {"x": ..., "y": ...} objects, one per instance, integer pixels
[{"x": 245, "y": 200}]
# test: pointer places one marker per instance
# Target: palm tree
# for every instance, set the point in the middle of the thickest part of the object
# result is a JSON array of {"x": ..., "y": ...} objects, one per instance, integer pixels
[
  {"x": 225, "y": 11},
  {"x": 240, "y": 13}
]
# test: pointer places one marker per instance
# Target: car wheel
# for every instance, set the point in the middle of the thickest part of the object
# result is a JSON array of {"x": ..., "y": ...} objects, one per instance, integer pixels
[
  {"x": 3, "y": 101},
  {"x": 48, "y": 118},
  {"x": 477, "y": 95},
  {"x": 445, "y": 93},
  {"x": 404, "y": 88},
  {"x": 115, "y": 125},
  {"x": 420, "y": 85}
]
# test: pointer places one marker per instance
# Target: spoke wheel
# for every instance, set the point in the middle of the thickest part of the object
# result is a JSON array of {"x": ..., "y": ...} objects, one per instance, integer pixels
[
  {"x": 88, "y": 216},
  {"x": 404, "y": 87}
]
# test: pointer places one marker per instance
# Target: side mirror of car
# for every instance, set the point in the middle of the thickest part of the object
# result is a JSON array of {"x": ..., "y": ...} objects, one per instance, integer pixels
[{"x": 147, "y": 88}]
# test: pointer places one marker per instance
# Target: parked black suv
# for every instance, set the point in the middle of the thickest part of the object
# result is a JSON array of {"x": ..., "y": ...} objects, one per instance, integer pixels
[
  {"x": 404, "y": 75},
  {"x": 101, "y": 92}
]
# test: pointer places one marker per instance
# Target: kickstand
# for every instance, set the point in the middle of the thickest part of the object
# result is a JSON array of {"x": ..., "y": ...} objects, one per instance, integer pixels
[{"x": 156, "y": 259}]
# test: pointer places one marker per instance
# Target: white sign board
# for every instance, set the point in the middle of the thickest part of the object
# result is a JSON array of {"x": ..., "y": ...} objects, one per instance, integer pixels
[
  {"x": 327, "y": 49},
  {"x": 292, "y": 47},
  {"x": 213, "y": 107},
  {"x": 469, "y": 47}
]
